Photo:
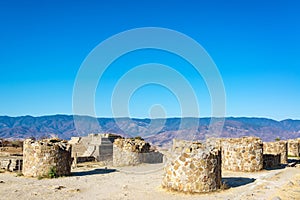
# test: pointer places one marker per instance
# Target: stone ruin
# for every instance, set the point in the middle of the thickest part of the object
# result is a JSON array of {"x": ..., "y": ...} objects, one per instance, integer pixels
[
  {"x": 276, "y": 148},
  {"x": 39, "y": 157},
  {"x": 242, "y": 154},
  {"x": 294, "y": 147},
  {"x": 97, "y": 147},
  {"x": 196, "y": 168},
  {"x": 271, "y": 160},
  {"x": 11, "y": 163},
  {"x": 180, "y": 146},
  {"x": 128, "y": 152}
]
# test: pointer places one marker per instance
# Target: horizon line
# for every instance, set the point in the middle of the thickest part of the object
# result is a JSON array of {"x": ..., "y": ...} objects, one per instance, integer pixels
[{"x": 170, "y": 117}]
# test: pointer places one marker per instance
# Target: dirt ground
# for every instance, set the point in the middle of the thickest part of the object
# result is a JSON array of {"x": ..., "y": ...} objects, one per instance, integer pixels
[
  {"x": 11, "y": 150},
  {"x": 92, "y": 181}
]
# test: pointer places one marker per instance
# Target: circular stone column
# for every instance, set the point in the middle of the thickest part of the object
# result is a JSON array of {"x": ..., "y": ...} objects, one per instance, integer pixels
[
  {"x": 197, "y": 170},
  {"x": 41, "y": 157}
]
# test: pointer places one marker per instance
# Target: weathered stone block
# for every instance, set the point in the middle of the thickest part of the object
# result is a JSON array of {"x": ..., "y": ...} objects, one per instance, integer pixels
[
  {"x": 128, "y": 152},
  {"x": 242, "y": 154},
  {"x": 294, "y": 147},
  {"x": 197, "y": 169},
  {"x": 41, "y": 156},
  {"x": 271, "y": 160},
  {"x": 278, "y": 147}
]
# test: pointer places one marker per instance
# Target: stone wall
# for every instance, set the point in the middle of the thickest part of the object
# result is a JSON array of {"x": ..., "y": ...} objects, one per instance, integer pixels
[
  {"x": 279, "y": 147},
  {"x": 151, "y": 157},
  {"x": 197, "y": 169},
  {"x": 242, "y": 154},
  {"x": 99, "y": 146},
  {"x": 127, "y": 152},
  {"x": 271, "y": 160},
  {"x": 11, "y": 163},
  {"x": 41, "y": 156},
  {"x": 180, "y": 146},
  {"x": 294, "y": 147}
]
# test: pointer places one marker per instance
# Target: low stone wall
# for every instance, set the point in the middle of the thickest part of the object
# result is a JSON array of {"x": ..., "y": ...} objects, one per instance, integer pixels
[
  {"x": 127, "y": 152},
  {"x": 180, "y": 146},
  {"x": 271, "y": 160},
  {"x": 11, "y": 163},
  {"x": 196, "y": 170},
  {"x": 294, "y": 147},
  {"x": 39, "y": 157},
  {"x": 99, "y": 146},
  {"x": 242, "y": 154},
  {"x": 279, "y": 147},
  {"x": 151, "y": 157}
]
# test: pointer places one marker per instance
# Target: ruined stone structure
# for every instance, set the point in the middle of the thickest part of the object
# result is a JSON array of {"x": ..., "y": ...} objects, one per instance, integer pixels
[
  {"x": 271, "y": 160},
  {"x": 180, "y": 146},
  {"x": 128, "y": 152},
  {"x": 39, "y": 157},
  {"x": 197, "y": 169},
  {"x": 294, "y": 147},
  {"x": 11, "y": 163},
  {"x": 99, "y": 146},
  {"x": 275, "y": 148},
  {"x": 242, "y": 154}
]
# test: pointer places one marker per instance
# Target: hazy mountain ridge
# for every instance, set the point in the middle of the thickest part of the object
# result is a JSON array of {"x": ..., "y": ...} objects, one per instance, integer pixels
[{"x": 156, "y": 131}]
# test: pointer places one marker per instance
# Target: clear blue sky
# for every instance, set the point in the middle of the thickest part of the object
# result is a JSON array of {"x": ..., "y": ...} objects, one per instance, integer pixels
[{"x": 255, "y": 44}]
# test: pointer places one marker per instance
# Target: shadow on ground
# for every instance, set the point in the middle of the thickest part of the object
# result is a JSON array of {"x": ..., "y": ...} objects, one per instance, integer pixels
[
  {"x": 237, "y": 181},
  {"x": 93, "y": 172},
  {"x": 296, "y": 160},
  {"x": 282, "y": 166}
]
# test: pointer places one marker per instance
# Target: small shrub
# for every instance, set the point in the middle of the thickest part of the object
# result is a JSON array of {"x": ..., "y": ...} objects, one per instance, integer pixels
[
  {"x": 19, "y": 174},
  {"x": 138, "y": 138},
  {"x": 40, "y": 177},
  {"x": 52, "y": 173},
  {"x": 17, "y": 143},
  {"x": 277, "y": 139}
]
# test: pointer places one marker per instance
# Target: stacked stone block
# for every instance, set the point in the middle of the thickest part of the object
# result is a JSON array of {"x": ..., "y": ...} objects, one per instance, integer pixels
[
  {"x": 242, "y": 154},
  {"x": 128, "y": 152},
  {"x": 275, "y": 148},
  {"x": 294, "y": 147},
  {"x": 196, "y": 170},
  {"x": 271, "y": 160},
  {"x": 11, "y": 163},
  {"x": 180, "y": 146},
  {"x": 39, "y": 157},
  {"x": 99, "y": 146}
]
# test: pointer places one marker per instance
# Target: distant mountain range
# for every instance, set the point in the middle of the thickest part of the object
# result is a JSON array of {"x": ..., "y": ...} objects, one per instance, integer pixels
[{"x": 157, "y": 131}]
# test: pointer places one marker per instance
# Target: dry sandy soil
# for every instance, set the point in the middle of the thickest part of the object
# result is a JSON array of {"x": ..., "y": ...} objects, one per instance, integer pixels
[{"x": 92, "y": 181}]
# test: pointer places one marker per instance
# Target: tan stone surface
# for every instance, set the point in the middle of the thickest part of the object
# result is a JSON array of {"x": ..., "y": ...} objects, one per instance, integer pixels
[
  {"x": 40, "y": 156},
  {"x": 196, "y": 170},
  {"x": 294, "y": 147},
  {"x": 242, "y": 154},
  {"x": 278, "y": 147},
  {"x": 128, "y": 152}
]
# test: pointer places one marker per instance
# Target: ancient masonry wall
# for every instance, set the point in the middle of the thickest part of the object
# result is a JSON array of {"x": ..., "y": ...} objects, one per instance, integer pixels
[
  {"x": 197, "y": 169},
  {"x": 271, "y": 160},
  {"x": 275, "y": 148},
  {"x": 11, "y": 163},
  {"x": 99, "y": 146},
  {"x": 179, "y": 146},
  {"x": 294, "y": 147},
  {"x": 127, "y": 152},
  {"x": 41, "y": 156},
  {"x": 242, "y": 154}
]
